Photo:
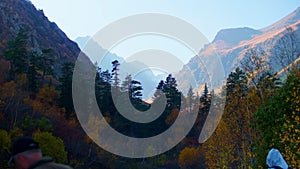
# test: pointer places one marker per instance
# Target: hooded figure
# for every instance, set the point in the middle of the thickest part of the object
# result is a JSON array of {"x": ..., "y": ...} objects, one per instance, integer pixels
[{"x": 275, "y": 160}]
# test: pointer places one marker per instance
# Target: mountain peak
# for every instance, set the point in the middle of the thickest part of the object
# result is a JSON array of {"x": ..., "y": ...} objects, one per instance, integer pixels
[
  {"x": 234, "y": 36},
  {"x": 231, "y": 45},
  {"x": 81, "y": 41}
]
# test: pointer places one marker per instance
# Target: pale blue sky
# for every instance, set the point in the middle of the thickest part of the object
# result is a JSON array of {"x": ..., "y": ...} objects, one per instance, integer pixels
[
  {"x": 81, "y": 18},
  {"x": 86, "y": 17}
]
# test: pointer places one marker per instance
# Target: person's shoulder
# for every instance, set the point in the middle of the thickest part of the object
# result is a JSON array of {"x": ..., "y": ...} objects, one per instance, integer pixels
[
  {"x": 48, "y": 163},
  {"x": 53, "y": 165},
  {"x": 61, "y": 166}
]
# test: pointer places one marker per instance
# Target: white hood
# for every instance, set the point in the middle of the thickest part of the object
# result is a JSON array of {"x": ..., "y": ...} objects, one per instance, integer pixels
[{"x": 274, "y": 158}]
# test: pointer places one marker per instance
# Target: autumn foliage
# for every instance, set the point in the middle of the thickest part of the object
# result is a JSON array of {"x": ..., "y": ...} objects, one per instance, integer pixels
[{"x": 262, "y": 112}]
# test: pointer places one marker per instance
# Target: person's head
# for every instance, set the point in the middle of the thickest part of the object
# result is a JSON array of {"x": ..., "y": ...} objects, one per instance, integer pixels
[
  {"x": 25, "y": 152},
  {"x": 275, "y": 159}
]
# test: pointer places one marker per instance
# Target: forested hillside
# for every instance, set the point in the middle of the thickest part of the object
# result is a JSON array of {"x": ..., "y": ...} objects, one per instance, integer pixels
[{"x": 261, "y": 112}]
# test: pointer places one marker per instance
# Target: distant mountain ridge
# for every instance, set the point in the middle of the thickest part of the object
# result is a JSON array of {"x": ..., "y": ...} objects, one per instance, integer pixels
[
  {"x": 95, "y": 51},
  {"x": 231, "y": 45},
  {"x": 135, "y": 68}
]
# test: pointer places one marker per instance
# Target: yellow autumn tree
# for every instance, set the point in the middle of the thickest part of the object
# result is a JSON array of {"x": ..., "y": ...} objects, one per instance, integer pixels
[
  {"x": 189, "y": 158},
  {"x": 290, "y": 132},
  {"x": 219, "y": 147},
  {"x": 45, "y": 102}
]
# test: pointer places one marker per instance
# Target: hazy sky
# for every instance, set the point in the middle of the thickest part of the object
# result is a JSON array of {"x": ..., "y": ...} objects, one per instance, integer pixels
[{"x": 86, "y": 17}]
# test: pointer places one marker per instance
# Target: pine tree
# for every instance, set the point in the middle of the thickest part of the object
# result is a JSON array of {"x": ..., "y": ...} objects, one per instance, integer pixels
[
  {"x": 46, "y": 63},
  {"x": 205, "y": 101},
  {"x": 135, "y": 90},
  {"x": 159, "y": 89},
  {"x": 17, "y": 54},
  {"x": 65, "y": 87},
  {"x": 103, "y": 91},
  {"x": 126, "y": 83},
  {"x": 115, "y": 73},
  {"x": 106, "y": 76},
  {"x": 172, "y": 93},
  {"x": 190, "y": 99},
  {"x": 32, "y": 73}
]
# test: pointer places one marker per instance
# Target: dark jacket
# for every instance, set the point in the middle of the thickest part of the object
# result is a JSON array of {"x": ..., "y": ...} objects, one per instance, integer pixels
[{"x": 48, "y": 163}]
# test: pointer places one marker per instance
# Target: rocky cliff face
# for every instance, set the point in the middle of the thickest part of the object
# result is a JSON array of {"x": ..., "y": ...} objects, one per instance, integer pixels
[{"x": 15, "y": 14}]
